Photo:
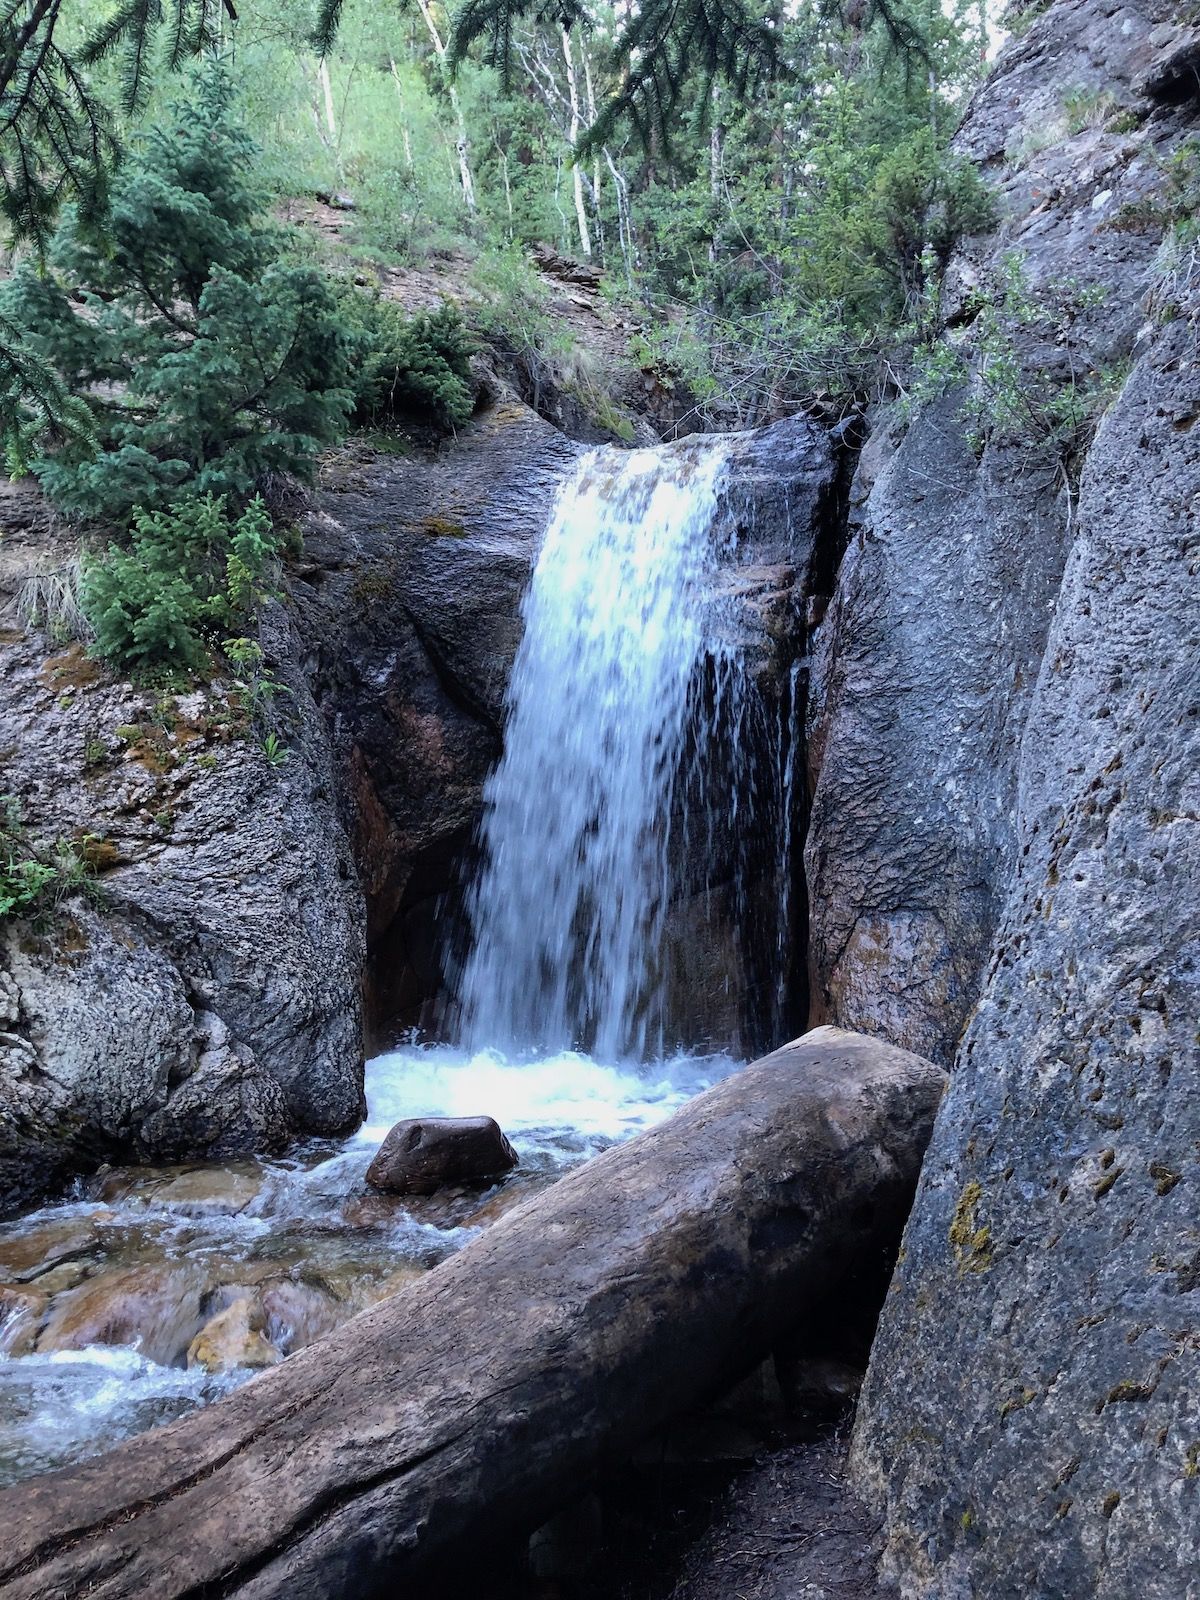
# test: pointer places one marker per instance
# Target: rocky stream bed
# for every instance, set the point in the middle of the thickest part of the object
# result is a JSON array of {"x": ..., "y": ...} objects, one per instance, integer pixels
[{"x": 152, "y": 1290}]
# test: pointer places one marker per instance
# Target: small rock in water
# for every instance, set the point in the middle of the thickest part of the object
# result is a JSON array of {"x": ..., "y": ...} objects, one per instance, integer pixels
[
  {"x": 423, "y": 1154},
  {"x": 234, "y": 1338}
]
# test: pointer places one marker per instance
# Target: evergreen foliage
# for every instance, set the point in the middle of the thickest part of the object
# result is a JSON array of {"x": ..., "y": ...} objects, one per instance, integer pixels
[
  {"x": 676, "y": 47},
  {"x": 495, "y": 22},
  {"x": 208, "y": 360},
  {"x": 403, "y": 366},
  {"x": 57, "y": 137},
  {"x": 768, "y": 193},
  {"x": 191, "y": 575}
]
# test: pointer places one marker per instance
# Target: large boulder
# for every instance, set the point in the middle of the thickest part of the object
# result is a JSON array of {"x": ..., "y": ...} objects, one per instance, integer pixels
[{"x": 1030, "y": 1423}]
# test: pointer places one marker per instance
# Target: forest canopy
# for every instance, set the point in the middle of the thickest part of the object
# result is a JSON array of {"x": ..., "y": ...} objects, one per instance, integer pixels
[{"x": 766, "y": 196}]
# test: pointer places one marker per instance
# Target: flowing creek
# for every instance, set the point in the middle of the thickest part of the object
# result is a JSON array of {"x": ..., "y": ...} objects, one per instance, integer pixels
[{"x": 150, "y": 1291}]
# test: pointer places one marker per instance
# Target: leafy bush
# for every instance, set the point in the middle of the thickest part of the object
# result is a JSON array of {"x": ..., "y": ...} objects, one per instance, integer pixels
[
  {"x": 1025, "y": 364},
  {"x": 207, "y": 359},
  {"x": 191, "y": 575},
  {"x": 406, "y": 365}
]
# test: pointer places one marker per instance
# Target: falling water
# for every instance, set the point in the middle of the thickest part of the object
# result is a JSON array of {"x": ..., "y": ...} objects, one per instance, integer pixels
[{"x": 569, "y": 906}]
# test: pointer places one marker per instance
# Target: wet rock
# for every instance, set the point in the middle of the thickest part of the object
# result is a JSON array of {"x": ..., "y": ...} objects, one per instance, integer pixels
[
  {"x": 36, "y": 1247},
  {"x": 298, "y": 1313},
  {"x": 423, "y": 1154},
  {"x": 234, "y": 1338},
  {"x": 155, "y": 1307},
  {"x": 191, "y": 1191},
  {"x": 21, "y": 1312}
]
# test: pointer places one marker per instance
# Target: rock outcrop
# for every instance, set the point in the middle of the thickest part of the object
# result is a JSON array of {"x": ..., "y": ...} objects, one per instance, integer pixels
[
  {"x": 1005, "y": 861},
  {"x": 202, "y": 997}
]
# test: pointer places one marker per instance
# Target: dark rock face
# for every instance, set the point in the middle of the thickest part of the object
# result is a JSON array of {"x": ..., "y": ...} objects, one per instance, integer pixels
[
  {"x": 734, "y": 934},
  {"x": 208, "y": 1003},
  {"x": 1030, "y": 1422},
  {"x": 409, "y": 599},
  {"x": 922, "y": 673},
  {"x": 410, "y": 596},
  {"x": 424, "y": 1154}
]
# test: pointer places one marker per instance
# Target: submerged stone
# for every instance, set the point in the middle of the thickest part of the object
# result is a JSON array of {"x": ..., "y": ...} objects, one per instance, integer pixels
[{"x": 234, "y": 1338}]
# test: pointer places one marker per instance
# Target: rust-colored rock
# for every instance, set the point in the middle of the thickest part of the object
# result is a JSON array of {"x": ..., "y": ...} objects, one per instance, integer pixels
[{"x": 234, "y": 1338}]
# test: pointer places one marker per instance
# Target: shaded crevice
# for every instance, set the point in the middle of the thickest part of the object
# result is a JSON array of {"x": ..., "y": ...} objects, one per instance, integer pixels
[{"x": 831, "y": 541}]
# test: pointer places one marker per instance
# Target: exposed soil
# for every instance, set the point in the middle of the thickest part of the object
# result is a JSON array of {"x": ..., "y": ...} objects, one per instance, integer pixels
[
  {"x": 785, "y": 1527},
  {"x": 788, "y": 1529},
  {"x": 778, "y": 1524}
]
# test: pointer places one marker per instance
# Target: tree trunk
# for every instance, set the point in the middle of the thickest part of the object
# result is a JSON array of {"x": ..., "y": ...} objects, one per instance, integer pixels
[
  {"x": 461, "y": 143},
  {"x": 327, "y": 95},
  {"x": 581, "y": 217},
  {"x": 479, "y": 1400}
]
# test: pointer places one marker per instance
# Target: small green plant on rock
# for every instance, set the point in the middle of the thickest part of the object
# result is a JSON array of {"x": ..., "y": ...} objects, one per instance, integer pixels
[
  {"x": 1087, "y": 108},
  {"x": 255, "y": 687},
  {"x": 35, "y": 879},
  {"x": 187, "y": 574},
  {"x": 276, "y": 752}
]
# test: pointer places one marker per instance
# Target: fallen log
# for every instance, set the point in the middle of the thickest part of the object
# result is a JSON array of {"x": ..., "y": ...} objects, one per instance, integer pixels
[{"x": 481, "y": 1398}]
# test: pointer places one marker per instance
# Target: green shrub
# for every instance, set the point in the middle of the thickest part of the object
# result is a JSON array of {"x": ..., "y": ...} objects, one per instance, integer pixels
[
  {"x": 33, "y": 879},
  {"x": 206, "y": 358},
  {"x": 406, "y": 366},
  {"x": 190, "y": 575}
]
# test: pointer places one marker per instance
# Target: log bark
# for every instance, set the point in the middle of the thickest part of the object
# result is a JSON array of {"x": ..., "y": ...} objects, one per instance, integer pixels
[{"x": 480, "y": 1399}]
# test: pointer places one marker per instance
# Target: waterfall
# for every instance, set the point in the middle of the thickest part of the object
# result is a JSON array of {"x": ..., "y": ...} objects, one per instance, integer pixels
[{"x": 567, "y": 911}]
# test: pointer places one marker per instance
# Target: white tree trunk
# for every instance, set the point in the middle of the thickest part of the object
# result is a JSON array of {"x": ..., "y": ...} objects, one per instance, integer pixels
[
  {"x": 404, "y": 134},
  {"x": 327, "y": 96},
  {"x": 461, "y": 143},
  {"x": 581, "y": 217}
]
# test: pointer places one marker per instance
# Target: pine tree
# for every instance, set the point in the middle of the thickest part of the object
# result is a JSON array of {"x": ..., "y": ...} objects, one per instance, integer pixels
[
  {"x": 56, "y": 133},
  {"x": 207, "y": 359},
  {"x": 58, "y": 142}
]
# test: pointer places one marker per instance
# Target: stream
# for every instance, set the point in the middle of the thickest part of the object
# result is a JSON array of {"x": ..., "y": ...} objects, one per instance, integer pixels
[{"x": 153, "y": 1290}]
